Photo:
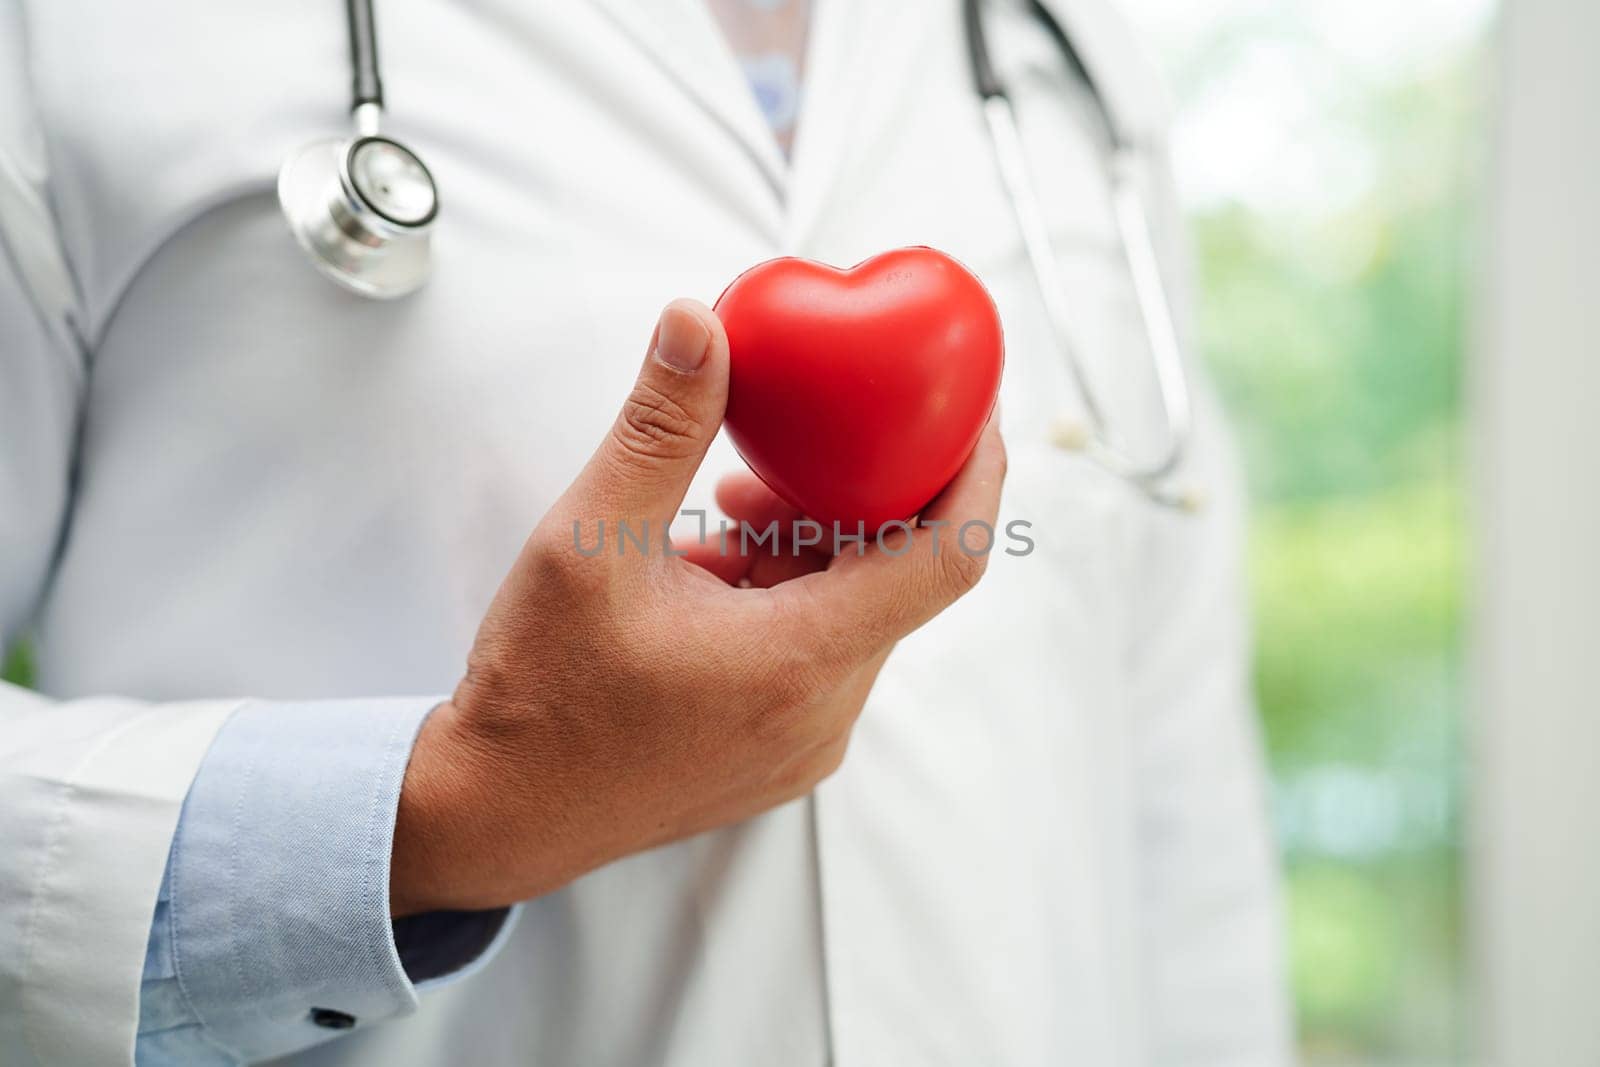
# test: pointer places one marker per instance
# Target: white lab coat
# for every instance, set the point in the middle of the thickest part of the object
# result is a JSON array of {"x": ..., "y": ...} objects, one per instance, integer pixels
[{"x": 1047, "y": 844}]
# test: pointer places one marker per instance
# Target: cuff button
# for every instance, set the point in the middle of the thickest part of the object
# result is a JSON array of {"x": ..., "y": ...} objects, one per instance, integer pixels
[{"x": 329, "y": 1019}]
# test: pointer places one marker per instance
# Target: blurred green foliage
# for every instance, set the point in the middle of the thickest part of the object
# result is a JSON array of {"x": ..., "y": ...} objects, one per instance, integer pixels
[
  {"x": 1358, "y": 669},
  {"x": 17, "y": 666},
  {"x": 1337, "y": 339},
  {"x": 1359, "y": 606}
]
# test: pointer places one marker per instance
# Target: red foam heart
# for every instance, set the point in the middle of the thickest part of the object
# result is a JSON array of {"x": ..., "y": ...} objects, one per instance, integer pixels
[{"x": 856, "y": 395}]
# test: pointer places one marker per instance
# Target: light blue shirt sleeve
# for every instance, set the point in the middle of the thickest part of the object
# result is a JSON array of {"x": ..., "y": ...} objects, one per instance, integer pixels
[{"x": 272, "y": 930}]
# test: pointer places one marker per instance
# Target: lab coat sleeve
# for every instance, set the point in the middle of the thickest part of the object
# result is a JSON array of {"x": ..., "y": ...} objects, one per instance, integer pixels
[
  {"x": 1213, "y": 966},
  {"x": 89, "y": 789},
  {"x": 272, "y": 931}
]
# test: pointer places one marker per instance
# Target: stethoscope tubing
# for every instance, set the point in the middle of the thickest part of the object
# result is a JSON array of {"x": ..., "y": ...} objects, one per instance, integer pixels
[{"x": 1097, "y": 439}]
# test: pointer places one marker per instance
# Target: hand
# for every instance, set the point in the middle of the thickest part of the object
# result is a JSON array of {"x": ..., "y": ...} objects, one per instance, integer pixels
[{"x": 618, "y": 702}]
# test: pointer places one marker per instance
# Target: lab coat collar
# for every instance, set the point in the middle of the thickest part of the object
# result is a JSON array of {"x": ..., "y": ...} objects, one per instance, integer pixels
[
  {"x": 854, "y": 57},
  {"x": 683, "y": 38},
  {"x": 854, "y": 51}
]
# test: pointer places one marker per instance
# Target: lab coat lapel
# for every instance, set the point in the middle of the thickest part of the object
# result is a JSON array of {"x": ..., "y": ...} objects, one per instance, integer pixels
[
  {"x": 854, "y": 83},
  {"x": 683, "y": 38}
]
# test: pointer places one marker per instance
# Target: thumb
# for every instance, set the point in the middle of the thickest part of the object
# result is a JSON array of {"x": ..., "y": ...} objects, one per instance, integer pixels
[{"x": 642, "y": 469}]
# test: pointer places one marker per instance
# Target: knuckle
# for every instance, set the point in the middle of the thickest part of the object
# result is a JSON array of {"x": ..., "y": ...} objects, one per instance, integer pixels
[
  {"x": 796, "y": 681},
  {"x": 820, "y": 649},
  {"x": 554, "y": 552},
  {"x": 561, "y": 573},
  {"x": 788, "y": 712},
  {"x": 910, "y": 600},
  {"x": 550, "y": 546},
  {"x": 823, "y": 762},
  {"x": 805, "y": 773},
  {"x": 833, "y": 756},
  {"x": 653, "y": 426},
  {"x": 771, "y": 700},
  {"x": 961, "y": 571},
  {"x": 791, "y": 783}
]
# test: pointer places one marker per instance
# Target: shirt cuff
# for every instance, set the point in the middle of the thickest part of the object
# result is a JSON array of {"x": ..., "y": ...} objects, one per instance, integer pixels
[{"x": 273, "y": 931}]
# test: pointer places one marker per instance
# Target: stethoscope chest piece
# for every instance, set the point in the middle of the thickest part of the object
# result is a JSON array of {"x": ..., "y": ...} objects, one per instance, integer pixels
[{"x": 363, "y": 211}]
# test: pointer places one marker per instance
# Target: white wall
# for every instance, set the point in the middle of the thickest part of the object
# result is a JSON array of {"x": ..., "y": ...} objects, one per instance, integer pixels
[{"x": 1537, "y": 396}]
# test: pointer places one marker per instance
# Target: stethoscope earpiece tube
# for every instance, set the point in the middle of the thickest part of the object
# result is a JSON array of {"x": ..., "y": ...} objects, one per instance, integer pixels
[{"x": 1094, "y": 438}]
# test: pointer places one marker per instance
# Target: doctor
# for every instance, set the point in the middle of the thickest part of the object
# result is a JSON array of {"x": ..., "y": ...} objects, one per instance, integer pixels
[{"x": 314, "y": 707}]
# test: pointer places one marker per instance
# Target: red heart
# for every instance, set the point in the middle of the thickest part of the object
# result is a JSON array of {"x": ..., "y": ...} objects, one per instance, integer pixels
[{"x": 856, "y": 395}]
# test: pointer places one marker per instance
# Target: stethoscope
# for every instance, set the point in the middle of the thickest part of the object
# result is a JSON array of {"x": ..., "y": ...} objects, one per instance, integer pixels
[
  {"x": 1091, "y": 435},
  {"x": 363, "y": 209}
]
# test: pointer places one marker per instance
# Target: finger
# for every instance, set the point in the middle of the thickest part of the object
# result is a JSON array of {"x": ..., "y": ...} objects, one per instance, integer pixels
[
  {"x": 727, "y": 565},
  {"x": 746, "y": 498},
  {"x": 974, "y": 493},
  {"x": 770, "y": 569},
  {"x": 759, "y": 568},
  {"x": 642, "y": 469},
  {"x": 757, "y": 557},
  {"x": 863, "y": 602}
]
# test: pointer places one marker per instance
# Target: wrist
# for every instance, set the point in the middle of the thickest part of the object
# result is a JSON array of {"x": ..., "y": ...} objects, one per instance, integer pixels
[{"x": 429, "y": 868}]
